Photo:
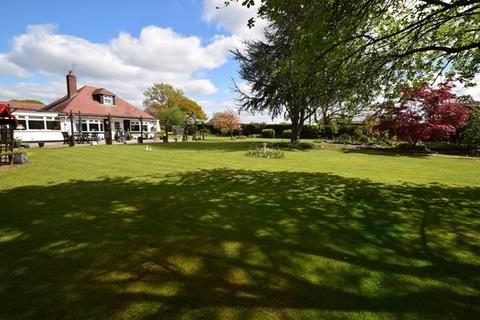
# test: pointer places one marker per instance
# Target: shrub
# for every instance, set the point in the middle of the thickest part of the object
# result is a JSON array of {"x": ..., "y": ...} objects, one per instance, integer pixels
[
  {"x": 128, "y": 135},
  {"x": 344, "y": 139},
  {"x": 358, "y": 133},
  {"x": 252, "y": 128},
  {"x": 264, "y": 152},
  {"x": 287, "y": 134},
  {"x": 424, "y": 114},
  {"x": 471, "y": 134},
  {"x": 363, "y": 139},
  {"x": 291, "y": 146},
  {"x": 268, "y": 133}
]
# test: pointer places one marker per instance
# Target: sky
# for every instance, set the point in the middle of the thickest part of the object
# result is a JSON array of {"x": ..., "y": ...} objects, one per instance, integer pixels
[{"x": 125, "y": 46}]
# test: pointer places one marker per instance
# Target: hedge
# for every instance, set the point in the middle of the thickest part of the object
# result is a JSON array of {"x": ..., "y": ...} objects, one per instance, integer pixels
[
  {"x": 268, "y": 133},
  {"x": 287, "y": 134},
  {"x": 308, "y": 131}
]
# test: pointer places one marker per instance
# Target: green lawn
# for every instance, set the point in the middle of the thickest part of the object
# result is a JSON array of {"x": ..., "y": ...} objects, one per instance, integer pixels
[{"x": 200, "y": 231}]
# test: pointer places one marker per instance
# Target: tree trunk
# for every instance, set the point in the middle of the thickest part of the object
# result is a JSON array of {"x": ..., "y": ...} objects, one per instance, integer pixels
[
  {"x": 166, "y": 133},
  {"x": 297, "y": 125}
]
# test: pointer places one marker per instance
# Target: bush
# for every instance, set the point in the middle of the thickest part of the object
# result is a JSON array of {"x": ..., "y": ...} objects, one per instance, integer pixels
[
  {"x": 363, "y": 139},
  {"x": 128, "y": 135},
  {"x": 268, "y": 133},
  {"x": 344, "y": 139},
  {"x": 291, "y": 146},
  {"x": 264, "y": 152},
  {"x": 287, "y": 134},
  {"x": 252, "y": 128},
  {"x": 383, "y": 138},
  {"x": 471, "y": 134}
]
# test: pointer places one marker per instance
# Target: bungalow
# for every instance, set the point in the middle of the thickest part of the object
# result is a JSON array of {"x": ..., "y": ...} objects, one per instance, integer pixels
[{"x": 90, "y": 110}]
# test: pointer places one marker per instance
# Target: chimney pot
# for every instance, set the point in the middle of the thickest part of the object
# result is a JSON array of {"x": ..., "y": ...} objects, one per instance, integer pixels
[{"x": 71, "y": 84}]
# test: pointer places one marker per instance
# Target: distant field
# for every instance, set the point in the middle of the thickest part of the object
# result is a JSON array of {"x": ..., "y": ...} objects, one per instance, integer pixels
[{"x": 200, "y": 231}]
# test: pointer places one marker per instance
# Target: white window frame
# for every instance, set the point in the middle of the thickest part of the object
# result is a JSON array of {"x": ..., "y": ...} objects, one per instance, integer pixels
[
  {"x": 132, "y": 123},
  {"x": 36, "y": 118},
  {"x": 109, "y": 98},
  {"x": 56, "y": 119}
]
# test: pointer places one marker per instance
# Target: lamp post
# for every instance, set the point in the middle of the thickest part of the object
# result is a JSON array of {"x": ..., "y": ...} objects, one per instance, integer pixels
[
  {"x": 71, "y": 141},
  {"x": 108, "y": 129},
  {"x": 140, "y": 140}
]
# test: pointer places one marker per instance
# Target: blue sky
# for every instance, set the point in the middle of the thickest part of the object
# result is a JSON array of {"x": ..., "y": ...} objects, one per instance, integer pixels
[{"x": 123, "y": 45}]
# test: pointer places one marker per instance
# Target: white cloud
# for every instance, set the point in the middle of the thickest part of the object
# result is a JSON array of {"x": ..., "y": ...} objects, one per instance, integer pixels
[
  {"x": 234, "y": 18},
  {"x": 473, "y": 91},
  {"x": 127, "y": 63},
  {"x": 461, "y": 90},
  {"x": 45, "y": 92},
  {"x": 163, "y": 49},
  {"x": 11, "y": 69}
]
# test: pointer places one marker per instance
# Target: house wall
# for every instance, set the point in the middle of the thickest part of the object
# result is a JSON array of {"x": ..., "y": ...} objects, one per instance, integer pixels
[
  {"x": 30, "y": 120},
  {"x": 54, "y": 124}
]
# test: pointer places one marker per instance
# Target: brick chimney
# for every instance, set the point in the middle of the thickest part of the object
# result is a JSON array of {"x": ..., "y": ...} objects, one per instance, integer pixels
[{"x": 71, "y": 84}]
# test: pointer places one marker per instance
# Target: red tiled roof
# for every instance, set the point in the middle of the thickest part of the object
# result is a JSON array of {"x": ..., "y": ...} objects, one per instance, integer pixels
[
  {"x": 83, "y": 102},
  {"x": 103, "y": 91},
  {"x": 23, "y": 105}
]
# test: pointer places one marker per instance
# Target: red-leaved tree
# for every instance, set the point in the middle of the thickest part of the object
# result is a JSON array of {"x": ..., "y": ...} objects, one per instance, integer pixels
[
  {"x": 424, "y": 114},
  {"x": 227, "y": 121}
]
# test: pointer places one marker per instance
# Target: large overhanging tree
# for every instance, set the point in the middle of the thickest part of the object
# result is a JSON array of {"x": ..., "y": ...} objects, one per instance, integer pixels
[
  {"x": 285, "y": 82},
  {"x": 342, "y": 52},
  {"x": 417, "y": 38},
  {"x": 274, "y": 86}
]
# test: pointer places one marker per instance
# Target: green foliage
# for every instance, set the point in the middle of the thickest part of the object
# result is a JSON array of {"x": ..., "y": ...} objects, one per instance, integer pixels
[
  {"x": 333, "y": 128},
  {"x": 354, "y": 51},
  {"x": 116, "y": 136},
  {"x": 128, "y": 135},
  {"x": 287, "y": 134},
  {"x": 162, "y": 96},
  {"x": 363, "y": 139},
  {"x": 268, "y": 133},
  {"x": 265, "y": 152},
  {"x": 172, "y": 116},
  {"x": 358, "y": 132},
  {"x": 253, "y": 128},
  {"x": 345, "y": 139},
  {"x": 471, "y": 134},
  {"x": 28, "y": 101}
]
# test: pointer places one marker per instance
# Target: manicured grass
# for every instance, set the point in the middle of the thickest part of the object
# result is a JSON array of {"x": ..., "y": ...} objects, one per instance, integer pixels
[{"x": 200, "y": 231}]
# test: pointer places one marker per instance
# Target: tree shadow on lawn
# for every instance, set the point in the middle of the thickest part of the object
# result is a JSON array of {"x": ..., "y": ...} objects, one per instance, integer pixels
[
  {"x": 390, "y": 152},
  {"x": 225, "y": 146},
  {"x": 232, "y": 243}
]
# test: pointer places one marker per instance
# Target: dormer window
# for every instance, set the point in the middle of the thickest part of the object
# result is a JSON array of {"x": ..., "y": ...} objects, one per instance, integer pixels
[
  {"x": 104, "y": 96},
  {"x": 107, "y": 99}
]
